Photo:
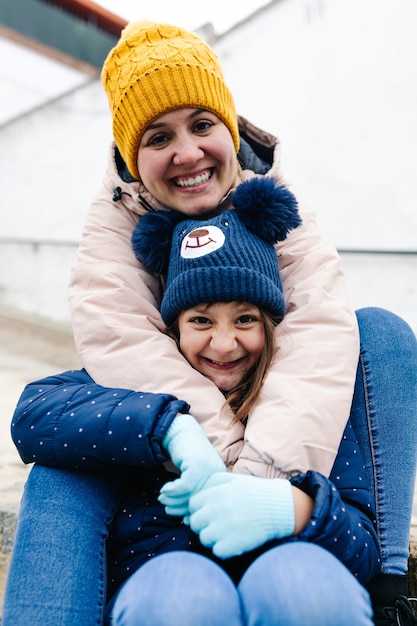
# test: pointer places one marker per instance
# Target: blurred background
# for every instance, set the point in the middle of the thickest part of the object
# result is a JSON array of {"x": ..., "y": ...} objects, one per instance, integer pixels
[{"x": 335, "y": 80}]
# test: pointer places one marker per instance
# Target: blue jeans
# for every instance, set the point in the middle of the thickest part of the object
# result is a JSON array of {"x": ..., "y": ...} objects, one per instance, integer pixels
[
  {"x": 291, "y": 585},
  {"x": 58, "y": 568},
  {"x": 384, "y": 417},
  {"x": 57, "y": 573}
]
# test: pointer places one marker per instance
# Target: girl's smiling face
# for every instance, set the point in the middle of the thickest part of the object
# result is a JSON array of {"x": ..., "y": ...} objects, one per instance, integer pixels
[
  {"x": 223, "y": 341},
  {"x": 187, "y": 161}
]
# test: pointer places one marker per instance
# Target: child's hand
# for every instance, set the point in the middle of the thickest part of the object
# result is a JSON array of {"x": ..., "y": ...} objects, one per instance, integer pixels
[
  {"x": 235, "y": 513},
  {"x": 192, "y": 453}
]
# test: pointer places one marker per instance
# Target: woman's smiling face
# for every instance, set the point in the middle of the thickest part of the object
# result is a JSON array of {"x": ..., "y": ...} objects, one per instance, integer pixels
[
  {"x": 187, "y": 161},
  {"x": 223, "y": 341}
]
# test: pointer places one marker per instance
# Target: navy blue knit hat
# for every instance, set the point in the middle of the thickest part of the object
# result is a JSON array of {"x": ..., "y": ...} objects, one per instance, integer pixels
[{"x": 227, "y": 258}]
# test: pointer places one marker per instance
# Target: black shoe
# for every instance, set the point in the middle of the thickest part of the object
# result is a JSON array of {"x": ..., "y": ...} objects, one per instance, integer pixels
[
  {"x": 400, "y": 614},
  {"x": 390, "y": 603}
]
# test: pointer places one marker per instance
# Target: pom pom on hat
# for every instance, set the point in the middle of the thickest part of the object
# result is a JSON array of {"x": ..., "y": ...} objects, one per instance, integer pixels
[
  {"x": 266, "y": 208},
  {"x": 152, "y": 239},
  {"x": 156, "y": 68},
  {"x": 230, "y": 257}
]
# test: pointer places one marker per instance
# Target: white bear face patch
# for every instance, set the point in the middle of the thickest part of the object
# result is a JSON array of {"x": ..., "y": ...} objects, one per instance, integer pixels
[{"x": 202, "y": 241}]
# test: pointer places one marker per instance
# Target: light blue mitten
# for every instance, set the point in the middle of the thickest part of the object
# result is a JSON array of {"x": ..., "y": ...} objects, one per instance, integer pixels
[
  {"x": 192, "y": 453},
  {"x": 235, "y": 513}
]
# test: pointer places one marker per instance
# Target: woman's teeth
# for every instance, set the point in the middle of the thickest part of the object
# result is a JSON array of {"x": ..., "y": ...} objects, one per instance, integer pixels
[{"x": 194, "y": 180}]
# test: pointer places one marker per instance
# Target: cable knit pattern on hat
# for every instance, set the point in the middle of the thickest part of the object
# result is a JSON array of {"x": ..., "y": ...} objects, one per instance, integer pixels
[{"x": 157, "y": 68}]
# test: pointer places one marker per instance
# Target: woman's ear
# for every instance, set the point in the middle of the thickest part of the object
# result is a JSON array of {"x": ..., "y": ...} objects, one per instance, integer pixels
[
  {"x": 152, "y": 237},
  {"x": 266, "y": 208}
]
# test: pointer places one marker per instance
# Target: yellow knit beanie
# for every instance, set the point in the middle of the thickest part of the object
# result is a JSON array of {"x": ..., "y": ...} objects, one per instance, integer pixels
[{"x": 156, "y": 68}]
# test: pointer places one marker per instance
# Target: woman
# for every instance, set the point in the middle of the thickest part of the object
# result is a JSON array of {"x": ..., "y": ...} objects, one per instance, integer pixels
[
  {"x": 178, "y": 136},
  {"x": 159, "y": 571}
]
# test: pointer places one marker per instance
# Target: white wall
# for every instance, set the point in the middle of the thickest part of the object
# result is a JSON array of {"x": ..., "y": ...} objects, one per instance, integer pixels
[
  {"x": 335, "y": 79},
  {"x": 52, "y": 164},
  {"x": 34, "y": 282},
  {"x": 29, "y": 79}
]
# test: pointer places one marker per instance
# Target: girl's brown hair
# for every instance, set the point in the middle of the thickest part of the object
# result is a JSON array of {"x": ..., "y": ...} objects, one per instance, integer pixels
[{"x": 242, "y": 398}]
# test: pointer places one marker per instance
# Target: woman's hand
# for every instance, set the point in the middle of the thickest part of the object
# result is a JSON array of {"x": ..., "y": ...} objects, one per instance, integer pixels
[
  {"x": 192, "y": 453},
  {"x": 235, "y": 513}
]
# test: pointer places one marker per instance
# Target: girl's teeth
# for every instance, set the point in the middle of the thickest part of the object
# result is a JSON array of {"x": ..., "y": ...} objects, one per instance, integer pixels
[
  {"x": 193, "y": 181},
  {"x": 220, "y": 363}
]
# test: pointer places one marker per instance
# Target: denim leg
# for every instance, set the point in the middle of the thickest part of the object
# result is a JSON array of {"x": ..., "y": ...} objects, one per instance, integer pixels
[
  {"x": 57, "y": 572},
  {"x": 384, "y": 417},
  {"x": 177, "y": 589},
  {"x": 301, "y": 583}
]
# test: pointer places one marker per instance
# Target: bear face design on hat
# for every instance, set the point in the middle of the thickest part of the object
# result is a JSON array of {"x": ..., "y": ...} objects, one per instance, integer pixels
[
  {"x": 229, "y": 257},
  {"x": 201, "y": 241}
]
